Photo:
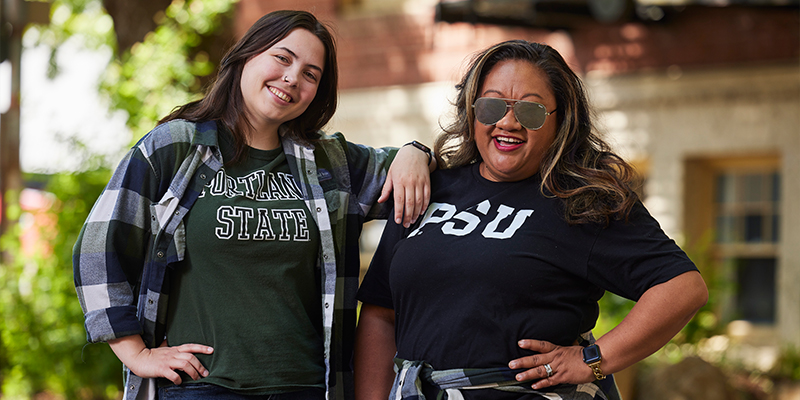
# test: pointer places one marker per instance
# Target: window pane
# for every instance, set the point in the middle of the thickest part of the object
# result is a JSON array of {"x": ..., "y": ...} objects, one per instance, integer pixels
[
  {"x": 747, "y": 207},
  {"x": 725, "y": 229},
  {"x": 753, "y": 188},
  {"x": 753, "y": 228},
  {"x": 756, "y": 294},
  {"x": 776, "y": 187},
  {"x": 725, "y": 189}
]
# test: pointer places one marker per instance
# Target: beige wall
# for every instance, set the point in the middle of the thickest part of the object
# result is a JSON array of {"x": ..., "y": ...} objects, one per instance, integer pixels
[{"x": 393, "y": 115}]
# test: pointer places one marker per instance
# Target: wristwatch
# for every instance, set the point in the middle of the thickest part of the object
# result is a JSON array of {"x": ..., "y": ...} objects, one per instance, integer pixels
[
  {"x": 423, "y": 148},
  {"x": 592, "y": 358}
]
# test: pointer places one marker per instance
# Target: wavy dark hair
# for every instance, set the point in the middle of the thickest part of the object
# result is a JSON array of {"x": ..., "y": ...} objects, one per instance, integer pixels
[
  {"x": 224, "y": 102},
  {"x": 595, "y": 184}
]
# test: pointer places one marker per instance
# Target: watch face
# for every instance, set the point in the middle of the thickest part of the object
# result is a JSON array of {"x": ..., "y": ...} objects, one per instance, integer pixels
[{"x": 591, "y": 354}]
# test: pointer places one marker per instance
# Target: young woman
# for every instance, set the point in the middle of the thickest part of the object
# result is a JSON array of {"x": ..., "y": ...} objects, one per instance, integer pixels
[{"x": 221, "y": 261}]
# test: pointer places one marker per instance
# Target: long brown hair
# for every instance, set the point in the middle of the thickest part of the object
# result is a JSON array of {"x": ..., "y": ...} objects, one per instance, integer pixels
[
  {"x": 579, "y": 167},
  {"x": 224, "y": 103}
]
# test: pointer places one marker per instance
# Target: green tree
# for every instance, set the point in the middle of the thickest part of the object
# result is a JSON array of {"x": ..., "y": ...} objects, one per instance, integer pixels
[
  {"x": 171, "y": 65},
  {"x": 42, "y": 335}
]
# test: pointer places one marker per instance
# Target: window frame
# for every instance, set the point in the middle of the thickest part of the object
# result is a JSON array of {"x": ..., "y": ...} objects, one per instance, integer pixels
[{"x": 701, "y": 210}]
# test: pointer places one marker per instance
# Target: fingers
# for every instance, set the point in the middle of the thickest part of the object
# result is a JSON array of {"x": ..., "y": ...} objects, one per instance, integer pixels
[
  {"x": 386, "y": 190},
  {"x": 543, "y": 383},
  {"x": 190, "y": 365},
  {"x": 167, "y": 361},
  {"x": 426, "y": 195},
  {"x": 411, "y": 207},
  {"x": 399, "y": 205},
  {"x": 187, "y": 362},
  {"x": 538, "y": 371},
  {"x": 535, "y": 363},
  {"x": 173, "y": 376},
  {"x": 526, "y": 362},
  {"x": 409, "y": 179},
  {"x": 552, "y": 365},
  {"x": 422, "y": 194},
  {"x": 195, "y": 348},
  {"x": 411, "y": 200},
  {"x": 539, "y": 346}
]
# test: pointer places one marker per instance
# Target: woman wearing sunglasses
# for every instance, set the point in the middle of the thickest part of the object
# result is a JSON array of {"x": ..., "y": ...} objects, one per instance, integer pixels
[
  {"x": 531, "y": 220},
  {"x": 222, "y": 258}
]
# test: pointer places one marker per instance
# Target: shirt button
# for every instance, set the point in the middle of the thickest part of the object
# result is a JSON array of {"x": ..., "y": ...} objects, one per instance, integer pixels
[
  {"x": 149, "y": 301},
  {"x": 177, "y": 213},
  {"x": 327, "y": 305},
  {"x": 132, "y": 387},
  {"x": 308, "y": 171},
  {"x": 160, "y": 254},
  {"x": 202, "y": 176},
  {"x": 319, "y": 209}
]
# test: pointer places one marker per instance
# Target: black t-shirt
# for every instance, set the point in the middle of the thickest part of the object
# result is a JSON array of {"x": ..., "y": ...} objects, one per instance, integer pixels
[{"x": 494, "y": 262}]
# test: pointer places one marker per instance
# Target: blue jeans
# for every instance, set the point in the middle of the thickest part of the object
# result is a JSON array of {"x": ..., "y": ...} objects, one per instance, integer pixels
[{"x": 202, "y": 391}]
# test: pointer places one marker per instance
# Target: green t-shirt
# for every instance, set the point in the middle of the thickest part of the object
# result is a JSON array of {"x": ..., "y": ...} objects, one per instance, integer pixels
[{"x": 249, "y": 286}]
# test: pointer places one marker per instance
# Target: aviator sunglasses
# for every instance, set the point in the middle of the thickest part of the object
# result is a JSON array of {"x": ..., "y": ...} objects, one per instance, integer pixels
[{"x": 490, "y": 110}]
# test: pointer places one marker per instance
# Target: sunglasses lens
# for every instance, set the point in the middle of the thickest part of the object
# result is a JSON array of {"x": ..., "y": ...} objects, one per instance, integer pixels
[
  {"x": 489, "y": 110},
  {"x": 529, "y": 114}
]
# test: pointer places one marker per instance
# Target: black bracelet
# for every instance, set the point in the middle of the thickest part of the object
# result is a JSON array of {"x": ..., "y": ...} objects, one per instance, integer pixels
[{"x": 423, "y": 148}]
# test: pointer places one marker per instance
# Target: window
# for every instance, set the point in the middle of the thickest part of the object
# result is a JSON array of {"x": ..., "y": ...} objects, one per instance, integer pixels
[
  {"x": 733, "y": 206},
  {"x": 747, "y": 218}
]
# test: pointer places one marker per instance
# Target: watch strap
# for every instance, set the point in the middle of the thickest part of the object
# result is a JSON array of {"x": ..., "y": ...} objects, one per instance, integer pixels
[
  {"x": 598, "y": 373},
  {"x": 423, "y": 148}
]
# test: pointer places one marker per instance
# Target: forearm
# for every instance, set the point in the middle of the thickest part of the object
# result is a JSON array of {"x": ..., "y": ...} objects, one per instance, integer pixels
[
  {"x": 661, "y": 312},
  {"x": 127, "y": 348},
  {"x": 655, "y": 319},
  {"x": 375, "y": 349}
]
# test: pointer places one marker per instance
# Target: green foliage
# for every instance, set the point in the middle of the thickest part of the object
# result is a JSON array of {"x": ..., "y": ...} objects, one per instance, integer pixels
[
  {"x": 613, "y": 309},
  {"x": 788, "y": 364},
  {"x": 84, "y": 19},
  {"x": 165, "y": 70},
  {"x": 42, "y": 339},
  {"x": 706, "y": 322}
]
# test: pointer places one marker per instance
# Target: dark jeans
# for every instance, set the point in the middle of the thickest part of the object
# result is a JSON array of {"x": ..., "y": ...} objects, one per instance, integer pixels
[{"x": 202, "y": 391}]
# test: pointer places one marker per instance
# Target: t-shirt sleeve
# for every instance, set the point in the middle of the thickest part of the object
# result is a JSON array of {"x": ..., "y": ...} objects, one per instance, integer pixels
[
  {"x": 375, "y": 288},
  {"x": 629, "y": 257}
]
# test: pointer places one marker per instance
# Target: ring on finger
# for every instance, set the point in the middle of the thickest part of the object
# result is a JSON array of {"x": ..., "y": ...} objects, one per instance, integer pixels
[{"x": 549, "y": 370}]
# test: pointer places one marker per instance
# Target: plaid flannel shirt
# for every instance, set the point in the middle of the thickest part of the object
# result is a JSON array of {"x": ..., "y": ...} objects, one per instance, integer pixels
[
  {"x": 409, "y": 376},
  {"x": 135, "y": 232}
]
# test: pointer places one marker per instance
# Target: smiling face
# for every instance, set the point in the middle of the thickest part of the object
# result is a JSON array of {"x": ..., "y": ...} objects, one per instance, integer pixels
[
  {"x": 510, "y": 152},
  {"x": 279, "y": 84}
]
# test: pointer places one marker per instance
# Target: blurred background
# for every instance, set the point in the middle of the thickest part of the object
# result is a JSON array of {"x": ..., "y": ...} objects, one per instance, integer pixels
[{"x": 703, "y": 96}]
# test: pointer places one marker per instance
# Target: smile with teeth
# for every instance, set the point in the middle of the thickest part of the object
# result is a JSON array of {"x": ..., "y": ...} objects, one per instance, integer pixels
[
  {"x": 281, "y": 95},
  {"x": 507, "y": 140}
]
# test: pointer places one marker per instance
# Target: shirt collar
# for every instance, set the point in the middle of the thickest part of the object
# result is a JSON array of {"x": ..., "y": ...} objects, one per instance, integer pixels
[{"x": 206, "y": 133}]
